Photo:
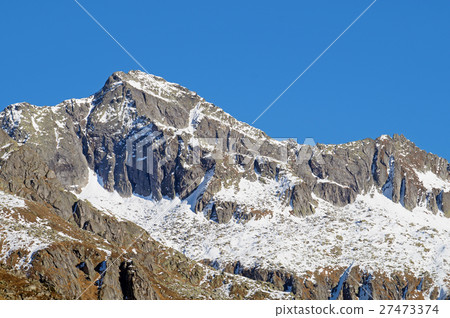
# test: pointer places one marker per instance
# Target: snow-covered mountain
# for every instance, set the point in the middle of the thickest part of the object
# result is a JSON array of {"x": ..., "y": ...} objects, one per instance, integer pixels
[{"x": 367, "y": 219}]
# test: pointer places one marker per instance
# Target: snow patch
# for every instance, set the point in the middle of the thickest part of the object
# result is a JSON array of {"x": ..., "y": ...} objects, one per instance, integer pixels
[
  {"x": 431, "y": 181},
  {"x": 373, "y": 232},
  {"x": 18, "y": 234}
]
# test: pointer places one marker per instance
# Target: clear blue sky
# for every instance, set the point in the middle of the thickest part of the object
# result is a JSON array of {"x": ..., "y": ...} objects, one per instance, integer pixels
[{"x": 390, "y": 73}]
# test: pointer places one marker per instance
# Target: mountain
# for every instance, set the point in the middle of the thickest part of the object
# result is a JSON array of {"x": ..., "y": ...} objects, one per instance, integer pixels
[{"x": 218, "y": 208}]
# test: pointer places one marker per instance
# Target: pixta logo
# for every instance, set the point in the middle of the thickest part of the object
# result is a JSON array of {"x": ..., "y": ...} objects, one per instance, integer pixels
[
  {"x": 141, "y": 148},
  {"x": 148, "y": 150},
  {"x": 307, "y": 152}
]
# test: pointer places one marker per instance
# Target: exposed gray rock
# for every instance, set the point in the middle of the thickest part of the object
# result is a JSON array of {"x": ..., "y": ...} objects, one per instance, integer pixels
[
  {"x": 222, "y": 212},
  {"x": 446, "y": 203},
  {"x": 27, "y": 175},
  {"x": 191, "y": 136},
  {"x": 335, "y": 193},
  {"x": 90, "y": 219},
  {"x": 301, "y": 200}
]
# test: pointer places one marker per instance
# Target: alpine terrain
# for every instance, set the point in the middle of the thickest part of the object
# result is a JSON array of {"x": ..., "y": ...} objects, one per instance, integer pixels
[{"x": 144, "y": 190}]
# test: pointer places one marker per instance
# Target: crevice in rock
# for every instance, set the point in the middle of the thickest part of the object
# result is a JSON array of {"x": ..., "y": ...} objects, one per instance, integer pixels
[
  {"x": 335, "y": 291},
  {"x": 402, "y": 192},
  {"x": 388, "y": 188},
  {"x": 126, "y": 275},
  {"x": 439, "y": 200},
  {"x": 365, "y": 291},
  {"x": 288, "y": 286},
  {"x": 82, "y": 267},
  {"x": 405, "y": 292},
  {"x": 346, "y": 291},
  {"x": 101, "y": 269},
  {"x": 442, "y": 294},
  {"x": 420, "y": 286},
  {"x": 238, "y": 268}
]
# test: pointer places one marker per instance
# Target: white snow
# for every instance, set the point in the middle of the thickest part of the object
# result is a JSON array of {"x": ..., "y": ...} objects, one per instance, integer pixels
[
  {"x": 373, "y": 232},
  {"x": 5, "y": 156},
  {"x": 195, "y": 117},
  {"x": 57, "y": 138},
  {"x": 256, "y": 194},
  {"x": 5, "y": 146},
  {"x": 60, "y": 124},
  {"x": 10, "y": 201},
  {"x": 156, "y": 86},
  {"x": 18, "y": 234},
  {"x": 192, "y": 199},
  {"x": 331, "y": 182},
  {"x": 5, "y": 152},
  {"x": 34, "y": 124},
  {"x": 67, "y": 237},
  {"x": 431, "y": 181},
  {"x": 108, "y": 252},
  {"x": 14, "y": 114}
]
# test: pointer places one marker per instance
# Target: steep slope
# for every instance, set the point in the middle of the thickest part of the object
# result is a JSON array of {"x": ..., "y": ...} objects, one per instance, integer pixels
[
  {"x": 220, "y": 191},
  {"x": 56, "y": 246},
  {"x": 45, "y": 257},
  {"x": 186, "y": 137}
]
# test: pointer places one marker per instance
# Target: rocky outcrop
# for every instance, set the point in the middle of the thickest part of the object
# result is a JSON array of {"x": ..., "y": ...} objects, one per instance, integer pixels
[
  {"x": 91, "y": 255},
  {"x": 351, "y": 283},
  {"x": 108, "y": 259},
  {"x": 395, "y": 168},
  {"x": 52, "y": 133},
  {"x": 301, "y": 200},
  {"x": 90, "y": 219},
  {"x": 15, "y": 285},
  {"x": 445, "y": 202},
  {"x": 27, "y": 175}
]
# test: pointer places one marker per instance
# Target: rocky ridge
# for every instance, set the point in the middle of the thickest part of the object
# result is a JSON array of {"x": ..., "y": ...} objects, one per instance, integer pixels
[
  {"x": 67, "y": 249},
  {"x": 200, "y": 154}
]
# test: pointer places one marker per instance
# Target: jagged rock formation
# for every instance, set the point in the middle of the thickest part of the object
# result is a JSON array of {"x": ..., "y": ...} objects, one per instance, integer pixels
[
  {"x": 143, "y": 136},
  {"x": 195, "y": 136},
  {"x": 79, "y": 252}
]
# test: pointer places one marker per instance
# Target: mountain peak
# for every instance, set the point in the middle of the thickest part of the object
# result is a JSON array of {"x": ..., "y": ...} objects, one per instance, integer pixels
[
  {"x": 142, "y": 144},
  {"x": 148, "y": 83}
]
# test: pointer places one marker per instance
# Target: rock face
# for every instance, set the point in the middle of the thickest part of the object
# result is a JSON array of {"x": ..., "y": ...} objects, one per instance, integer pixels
[
  {"x": 27, "y": 175},
  {"x": 52, "y": 132},
  {"x": 444, "y": 202},
  {"x": 82, "y": 253},
  {"x": 145, "y": 136},
  {"x": 351, "y": 283}
]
